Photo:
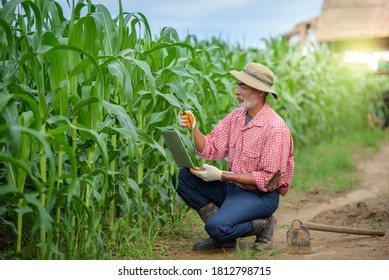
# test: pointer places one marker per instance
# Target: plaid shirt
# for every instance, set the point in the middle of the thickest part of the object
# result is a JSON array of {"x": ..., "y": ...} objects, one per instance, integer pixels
[{"x": 262, "y": 147}]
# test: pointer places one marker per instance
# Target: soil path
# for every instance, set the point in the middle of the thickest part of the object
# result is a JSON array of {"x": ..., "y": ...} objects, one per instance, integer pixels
[{"x": 367, "y": 207}]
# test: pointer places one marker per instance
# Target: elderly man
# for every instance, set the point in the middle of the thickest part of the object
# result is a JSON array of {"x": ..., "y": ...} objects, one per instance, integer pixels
[{"x": 240, "y": 202}]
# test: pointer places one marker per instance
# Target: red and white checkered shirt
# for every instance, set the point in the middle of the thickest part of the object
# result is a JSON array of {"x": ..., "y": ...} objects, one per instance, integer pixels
[{"x": 262, "y": 147}]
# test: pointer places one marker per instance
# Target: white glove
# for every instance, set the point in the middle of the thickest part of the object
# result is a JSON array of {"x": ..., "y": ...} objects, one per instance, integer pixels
[
  {"x": 186, "y": 119},
  {"x": 208, "y": 173}
]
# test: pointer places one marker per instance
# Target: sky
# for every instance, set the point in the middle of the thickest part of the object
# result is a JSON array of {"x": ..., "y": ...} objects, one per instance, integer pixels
[{"x": 237, "y": 21}]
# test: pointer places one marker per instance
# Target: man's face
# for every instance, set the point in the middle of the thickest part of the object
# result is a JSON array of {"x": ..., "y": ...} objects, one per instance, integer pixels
[{"x": 247, "y": 96}]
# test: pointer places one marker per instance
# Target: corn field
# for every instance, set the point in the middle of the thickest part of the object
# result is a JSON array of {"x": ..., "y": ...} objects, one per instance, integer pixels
[{"x": 82, "y": 104}]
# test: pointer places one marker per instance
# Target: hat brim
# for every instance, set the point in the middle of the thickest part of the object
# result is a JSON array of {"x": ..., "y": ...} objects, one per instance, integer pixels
[{"x": 252, "y": 82}]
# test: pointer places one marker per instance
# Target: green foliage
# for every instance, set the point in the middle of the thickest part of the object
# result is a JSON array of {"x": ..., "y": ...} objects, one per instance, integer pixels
[
  {"x": 325, "y": 166},
  {"x": 82, "y": 103}
]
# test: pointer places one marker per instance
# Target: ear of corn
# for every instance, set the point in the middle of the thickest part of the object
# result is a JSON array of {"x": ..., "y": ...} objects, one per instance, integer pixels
[{"x": 82, "y": 103}]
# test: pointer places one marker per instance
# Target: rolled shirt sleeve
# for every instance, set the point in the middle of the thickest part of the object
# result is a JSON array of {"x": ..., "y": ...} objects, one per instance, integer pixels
[{"x": 277, "y": 156}]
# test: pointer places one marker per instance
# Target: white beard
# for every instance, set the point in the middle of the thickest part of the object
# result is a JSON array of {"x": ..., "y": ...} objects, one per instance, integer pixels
[{"x": 248, "y": 103}]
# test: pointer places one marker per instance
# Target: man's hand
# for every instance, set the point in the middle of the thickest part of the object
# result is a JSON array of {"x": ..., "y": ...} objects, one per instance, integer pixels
[
  {"x": 208, "y": 173},
  {"x": 186, "y": 119}
]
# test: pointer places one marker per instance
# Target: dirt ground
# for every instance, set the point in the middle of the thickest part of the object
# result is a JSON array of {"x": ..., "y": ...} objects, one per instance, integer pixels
[{"x": 366, "y": 207}]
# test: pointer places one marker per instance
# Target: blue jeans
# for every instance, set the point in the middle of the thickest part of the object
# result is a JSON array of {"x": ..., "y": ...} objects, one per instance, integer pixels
[{"x": 237, "y": 206}]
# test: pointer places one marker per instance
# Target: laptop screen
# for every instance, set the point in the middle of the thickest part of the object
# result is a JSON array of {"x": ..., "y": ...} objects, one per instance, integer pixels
[{"x": 177, "y": 148}]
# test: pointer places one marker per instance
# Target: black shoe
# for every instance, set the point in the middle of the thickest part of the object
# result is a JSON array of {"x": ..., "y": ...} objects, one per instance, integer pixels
[
  {"x": 210, "y": 244},
  {"x": 264, "y": 239},
  {"x": 264, "y": 244}
]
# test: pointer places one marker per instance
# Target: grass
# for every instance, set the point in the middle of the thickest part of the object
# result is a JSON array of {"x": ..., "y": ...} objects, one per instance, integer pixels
[
  {"x": 247, "y": 253},
  {"x": 327, "y": 166},
  {"x": 377, "y": 224},
  {"x": 130, "y": 242}
]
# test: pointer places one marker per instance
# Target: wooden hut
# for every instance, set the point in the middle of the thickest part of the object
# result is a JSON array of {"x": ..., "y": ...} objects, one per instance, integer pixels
[
  {"x": 361, "y": 25},
  {"x": 351, "y": 25}
]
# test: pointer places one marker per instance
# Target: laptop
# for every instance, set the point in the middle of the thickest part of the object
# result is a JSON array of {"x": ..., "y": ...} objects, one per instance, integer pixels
[{"x": 177, "y": 148}]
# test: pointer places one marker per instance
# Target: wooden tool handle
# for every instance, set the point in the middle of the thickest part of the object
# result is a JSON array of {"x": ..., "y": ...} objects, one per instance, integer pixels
[{"x": 341, "y": 229}]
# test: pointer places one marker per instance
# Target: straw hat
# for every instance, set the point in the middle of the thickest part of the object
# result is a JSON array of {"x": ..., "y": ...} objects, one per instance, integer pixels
[{"x": 256, "y": 76}]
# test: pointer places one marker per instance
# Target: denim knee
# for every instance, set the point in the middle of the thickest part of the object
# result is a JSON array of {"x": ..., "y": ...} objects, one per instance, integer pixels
[
  {"x": 182, "y": 174},
  {"x": 184, "y": 188},
  {"x": 217, "y": 230}
]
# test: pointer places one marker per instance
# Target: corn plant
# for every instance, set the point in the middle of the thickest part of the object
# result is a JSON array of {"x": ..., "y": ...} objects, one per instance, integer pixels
[{"x": 82, "y": 104}]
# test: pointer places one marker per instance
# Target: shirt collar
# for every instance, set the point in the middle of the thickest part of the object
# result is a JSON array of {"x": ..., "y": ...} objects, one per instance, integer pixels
[{"x": 259, "y": 119}]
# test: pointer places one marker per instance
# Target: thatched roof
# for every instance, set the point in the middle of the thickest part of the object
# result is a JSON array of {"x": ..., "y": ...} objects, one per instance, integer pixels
[
  {"x": 342, "y": 20},
  {"x": 352, "y": 19}
]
